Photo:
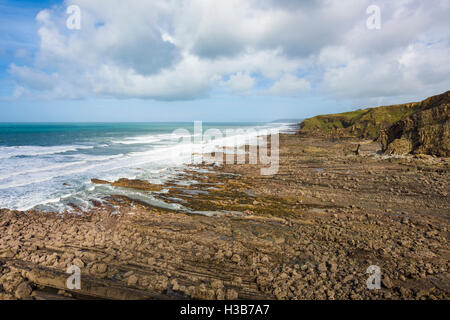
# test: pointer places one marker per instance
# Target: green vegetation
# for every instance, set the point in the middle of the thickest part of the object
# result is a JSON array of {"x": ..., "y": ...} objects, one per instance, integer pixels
[
  {"x": 419, "y": 127},
  {"x": 363, "y": 123}
]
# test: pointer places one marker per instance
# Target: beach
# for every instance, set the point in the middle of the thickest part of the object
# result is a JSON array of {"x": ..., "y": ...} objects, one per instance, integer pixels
[{"x": 311, "y": 231}]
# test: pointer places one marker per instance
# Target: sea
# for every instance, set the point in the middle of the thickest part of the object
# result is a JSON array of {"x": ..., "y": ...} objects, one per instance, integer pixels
[{"x": 49, "y": 166}]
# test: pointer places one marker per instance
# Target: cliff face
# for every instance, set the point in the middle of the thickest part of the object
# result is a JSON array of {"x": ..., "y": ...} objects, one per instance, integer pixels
[
  {"x": 366, "y": 123},
  {"x": 419, "y": 127},
  {"x": 425, "y": 131}
]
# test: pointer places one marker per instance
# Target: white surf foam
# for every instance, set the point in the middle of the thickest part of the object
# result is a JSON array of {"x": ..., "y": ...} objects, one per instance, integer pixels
[
  {"x": 29, "y": 151},
  {"x": 154, "y": 162}
]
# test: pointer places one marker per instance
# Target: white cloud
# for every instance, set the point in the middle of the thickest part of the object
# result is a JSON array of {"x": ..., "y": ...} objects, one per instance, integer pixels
[
  {"x": 289, "y": 85},
  {"x": 180, "y": 49},
  {"x": 418, "y": 70},
  {"x": 18, "y": 92},
  {"x": 240, "y": 83},
  {"x": 35, "y": 79}
]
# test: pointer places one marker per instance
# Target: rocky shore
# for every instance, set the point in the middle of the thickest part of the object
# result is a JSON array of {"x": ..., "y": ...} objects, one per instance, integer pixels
[
  {"x": 411, "y": 128},
  {"x": 309, "y": 232}
]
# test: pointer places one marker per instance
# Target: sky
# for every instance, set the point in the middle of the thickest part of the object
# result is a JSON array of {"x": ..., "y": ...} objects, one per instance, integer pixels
[{"x": 234, "y": 60}]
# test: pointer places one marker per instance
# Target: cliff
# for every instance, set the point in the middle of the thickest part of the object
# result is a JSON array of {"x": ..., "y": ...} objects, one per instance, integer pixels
[
  {"x": 365, "y": 123},
  {"x": 425, "y": 131},
  {"x": 418, "y": 127}
]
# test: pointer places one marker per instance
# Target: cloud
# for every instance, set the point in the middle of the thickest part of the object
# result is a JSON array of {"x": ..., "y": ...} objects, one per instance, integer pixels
[
  {"x": 32, "y": 78},
  {"x": 289, "y": 85},
  {"x": 418, "y": 70},
  {"x": 240, "y": 83},
  {"x": 180, "y": 49}
]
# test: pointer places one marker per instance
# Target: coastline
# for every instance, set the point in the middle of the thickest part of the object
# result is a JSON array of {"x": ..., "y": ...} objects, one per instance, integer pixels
[
  {"x": 47, "y": 169},
  {"x": 309, "y": 232}
]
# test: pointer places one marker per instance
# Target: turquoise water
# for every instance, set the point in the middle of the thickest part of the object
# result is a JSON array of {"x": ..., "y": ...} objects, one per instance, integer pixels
[{"x": 46, "y": 166}]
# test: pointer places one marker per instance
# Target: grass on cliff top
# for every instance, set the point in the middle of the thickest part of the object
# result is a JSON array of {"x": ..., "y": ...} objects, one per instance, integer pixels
[{"x": 363, "y": 123}]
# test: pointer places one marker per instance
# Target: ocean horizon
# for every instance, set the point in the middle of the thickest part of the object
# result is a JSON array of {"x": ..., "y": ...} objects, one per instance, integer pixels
[{"x": 49, "y": 166}]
